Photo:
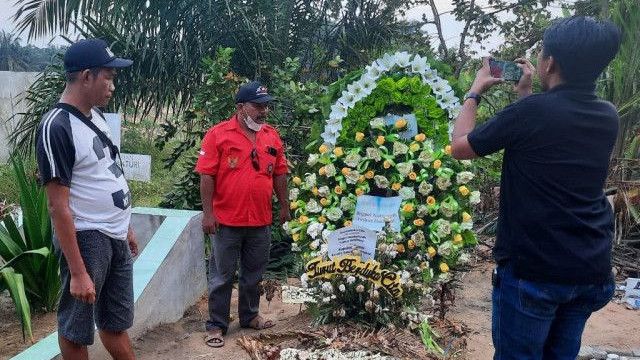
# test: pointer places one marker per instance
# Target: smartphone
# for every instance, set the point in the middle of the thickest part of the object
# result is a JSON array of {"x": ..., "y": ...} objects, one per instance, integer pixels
[{"x": 508, "y": 70}]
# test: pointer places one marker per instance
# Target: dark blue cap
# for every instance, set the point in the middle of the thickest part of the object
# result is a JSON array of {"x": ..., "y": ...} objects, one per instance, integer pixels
[
  {"x": 253, "y": 92},
  {"x": 91, "y": 53}
]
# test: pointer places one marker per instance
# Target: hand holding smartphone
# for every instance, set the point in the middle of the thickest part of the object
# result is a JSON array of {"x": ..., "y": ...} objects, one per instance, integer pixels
[{"x": 507, "y": 70}]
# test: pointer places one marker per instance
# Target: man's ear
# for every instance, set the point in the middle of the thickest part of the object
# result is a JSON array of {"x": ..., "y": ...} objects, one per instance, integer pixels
[
  {"x": 85, "y": 75},
  {"x": 552, "y": 66}
]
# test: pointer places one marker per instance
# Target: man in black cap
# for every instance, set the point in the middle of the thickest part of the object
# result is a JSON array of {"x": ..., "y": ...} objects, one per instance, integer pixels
[
  {"x": 89, "y": 203},
  {"x": 241, "y": 163}
]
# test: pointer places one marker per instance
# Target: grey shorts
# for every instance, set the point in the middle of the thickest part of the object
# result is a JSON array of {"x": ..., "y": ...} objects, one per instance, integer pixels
[{"x": 110, "y": 266}]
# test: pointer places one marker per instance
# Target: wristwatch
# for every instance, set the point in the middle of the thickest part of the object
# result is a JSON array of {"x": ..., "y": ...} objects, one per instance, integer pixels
[{"x": 475, "y": 96}]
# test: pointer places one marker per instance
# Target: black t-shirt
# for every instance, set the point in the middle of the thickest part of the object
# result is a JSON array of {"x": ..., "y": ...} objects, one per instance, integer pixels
[{"x": 555, "y": 223}]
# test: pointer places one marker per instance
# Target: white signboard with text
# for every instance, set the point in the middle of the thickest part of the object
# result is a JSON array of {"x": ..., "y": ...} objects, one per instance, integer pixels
[
  {"x": 371, "y": 211},
  {"x": 344, "y": 241},
  {"x": 136, "y": 167}
]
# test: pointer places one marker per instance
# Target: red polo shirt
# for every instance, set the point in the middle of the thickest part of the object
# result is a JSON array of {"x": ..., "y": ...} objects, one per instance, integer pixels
[{"x": 242, "y": 194}]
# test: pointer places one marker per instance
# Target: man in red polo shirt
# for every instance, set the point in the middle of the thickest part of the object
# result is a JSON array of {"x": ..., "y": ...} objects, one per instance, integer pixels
[{"x": 241, "y": 163}]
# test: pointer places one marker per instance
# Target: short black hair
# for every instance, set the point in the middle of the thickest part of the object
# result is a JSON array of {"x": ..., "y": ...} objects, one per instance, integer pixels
[
  {"x": 582, "y": 46},
  {"x": 71, "y": 77}
]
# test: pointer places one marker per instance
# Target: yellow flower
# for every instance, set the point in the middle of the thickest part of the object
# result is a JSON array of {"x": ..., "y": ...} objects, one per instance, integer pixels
[
  {"x": 323, "y": 148},
  {"x": 303, "y": 219},
  {"x": 315, "y": 191},
  {"x": 447, "y": 149},
  {"x": 466, "y": 217},
  {"x": 386, "y": 164},
  {"x": 463, "y": 190},
  {"x": 418, "y": 222},
  {"x": 380, "y": 140},
  {"x": 414, "y": 147},
  {"x": 431, "y": 200},
  {"x": 420, "y": 137},
  {"x": 400, "y": 248},
  {"x": 413, "y": 176},
  {"x": 401, "y": 123},
  {"x": 296, "y": 236},
  {"x": 431, "y": 251},
  {"x": 396, "y": 186},
  {"x": 457, "y": 239},
  {"x": 347, "y": 223},
  {"x": 407, "y": 208},
  {"x": 338, "y": 190},
  {"x": 411, "y": 244},
  {"x": 324, "y": 201},
  {"x": 359, "y": 136},
  {"x": 369, "y": 174},
  {"x": 338, "y": 151},
  {"x": 296, "y": 180},
  {"x": 361, "y": 178},
  {"x": 437, "y": 164},
  {"x": 322, "y": 171},
  {"x": 359, "y": 192},
  {"x": 293, "y": 205},
  {"x": 424, "y": 265},
  {"x": 444, "y": 267},
  {"x": 345, "y": 171},
  {"x": 322, "y": 219}
]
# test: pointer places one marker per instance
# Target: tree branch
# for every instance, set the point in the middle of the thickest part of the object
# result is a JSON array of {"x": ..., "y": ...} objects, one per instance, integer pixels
[{"x": 442, "y": 48}]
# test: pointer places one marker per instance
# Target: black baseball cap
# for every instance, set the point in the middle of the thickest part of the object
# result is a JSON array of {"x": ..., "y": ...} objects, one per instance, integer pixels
[
  {"x": 253, "y": 92},
  {"x": 92, "y": 53}
]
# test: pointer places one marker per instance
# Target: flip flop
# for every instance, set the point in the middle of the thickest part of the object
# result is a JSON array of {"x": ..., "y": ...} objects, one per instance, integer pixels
[
  {"x": 214, "y": 339},
  {"x": 260, "y": 323}
]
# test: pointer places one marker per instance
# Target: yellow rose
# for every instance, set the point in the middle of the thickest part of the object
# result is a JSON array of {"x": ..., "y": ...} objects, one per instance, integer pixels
[
  {"x": 414, "y": 147},
  {"x": 323, "y": 148},
  {"x": 431, "y": 251},
  {"x": 396, "y": 186},
  {"x": 418, "y": 222},
  {"x": 338, "y": 151},
  {"x": 359, "y": 192},
  {"x": 413, "y": 176},
  {"x": 296, "y": 236},
  {"x": 345, "y": 171},
  {"x": 457, "y": 239},
  {"x": 444, "y": 267},
  {"x": 447, "y": 149},
  {"x": 386, "y": 164},
  {"x": 407, "y": 208},
  {"x": 361, "y": 178},
  {"x": 431, "y": 200},
  {"x": 324, "y": 202},
  {"x": 303, "y": 219},
  {"x": 296, "y": 180},
  {"x": 322, "y": 171},
  {"x": 420, "y": 137},
  {"x": 347, "y": 223},
  {"x": 411, "y": 244},
  {"x": 424, "y": 265},
  {"x": 369, "y": 174},
  {"x": 400, "y": 248},
  {"x": 322, "y": 219},
  {"x": 359, "y": 136},
  {"x": 293, "y": 205},
  {"x": 401, "y": 123},
  {"x": 466, "y": 217},
  {"x": 338, "y": 190},
  {"x": 437, "y": 164},
  {"x": 463, "y": 190},
  {"x": 314, "y": 191},
  {"x": 380, "y": 140}
]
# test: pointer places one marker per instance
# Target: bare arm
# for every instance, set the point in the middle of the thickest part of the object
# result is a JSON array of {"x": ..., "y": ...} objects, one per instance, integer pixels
[
  {"x": 280, "y": 187},
  {"x": 207, "y": 187},
  {"x": 58, "y": 201}
]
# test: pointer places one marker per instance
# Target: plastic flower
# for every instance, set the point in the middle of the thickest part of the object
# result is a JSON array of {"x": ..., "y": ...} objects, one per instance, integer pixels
[
  {"x": 420, "y": 137},
  {"x": 338, "y": 151},
  {"x": 431, "y": 251},
  {"x": 445, "y": 249},
  {"x": 437, "y": 164},
  {"x": 352, "y": 160},
  {"x": 380, "y": 140},
  {"x": 352, "y": 177},
  {"x": 293, "y": 194},
  {"x": 431, "y": 200},
  {"x": 313, "y": 207},
  {"x": 407, "y": 193},
  {"x": 464, "y": 177},
  {"x": 386, "y": 164},
  {"x": 447, "y": 149},
  {"x": 314, "y": 191},
  {"x": 411, "y": 244},
  {"x": 407, "y": 208},
  {"x": 381, "y": 181},
  {"x": 425, "y": 188},
  {"x": 464, "y": 191},
  {"x": 351, "y": 279},
  {"x": 345, "y": 171},
  {"x": 377, "y": 123},
  {"x": 396, "y": 186},
  {"x": 414, "y": 147},
  {"x": 418, "y": 238},
  {"x": 474, "y": 198},
  {"x": 404, "y": 168},
  {"x": 324, "y": 202},
  {"x": 334, "y": 214},
  {"x": 313, "y": 159},
  {"x": 374, "y": 154},
  {"x": 310, "y": 180},
  {"x": 347, "y": 223},
  {"x": 295, "y": 237},
  {"x": 323, "y": 148},
  {"x": 303, "y": 219},
  {"x": 369, "y": 174},
  {"x": 400, "y": 248},
  {"x": 338, "y": 189},
  {"x": 443, "y": 182},
  {"x": 440, "y": 228},
  {"x": 315, "y": 229},
  {"x": 293, "y": 205},
  {"x": 330, "y": 170},
  {"x": 322, "y": 219},
  {"x": 400, "y": 123},
  {"x": 444, "y": 267},
  {"x": 322, "y": 171},
  {"x": 360, "y": 288},
  {"x": 359, "y": 136},
  {"x": 418, "y": 222},
  {"x": 359, "y": 192},
  {"x": 324, "y": 191},
  {"x": 425, "y": 157},
  {"x": 402, "y": 58},
  {"x": 457, "y": 239},
  {"x": 342, "y": 288},
  {"x": 466, "y": 217},
  {"x": 400, "y": 148},
  {"x": 296, "y": 180},
  {"x": 327, "y": 287}
]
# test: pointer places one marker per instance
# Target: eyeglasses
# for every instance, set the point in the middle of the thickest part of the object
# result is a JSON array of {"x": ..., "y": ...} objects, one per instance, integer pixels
[{"x": 254, "y": 159}]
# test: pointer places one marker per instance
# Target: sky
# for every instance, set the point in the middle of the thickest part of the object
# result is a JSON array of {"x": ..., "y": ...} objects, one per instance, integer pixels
[{"x": 451, "y": 28}]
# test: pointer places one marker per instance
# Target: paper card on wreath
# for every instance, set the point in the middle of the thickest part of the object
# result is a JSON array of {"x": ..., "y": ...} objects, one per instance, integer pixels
[
  {"x": 412, "y": 124},
  {"x": 344, "y": 241},
  {"x": 371, "y": 212},
  {"x": 296, "y": 295}
]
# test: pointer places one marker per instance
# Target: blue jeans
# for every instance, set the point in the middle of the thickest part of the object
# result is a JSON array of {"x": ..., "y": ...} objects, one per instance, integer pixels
[{"x": 534, "y": 320}]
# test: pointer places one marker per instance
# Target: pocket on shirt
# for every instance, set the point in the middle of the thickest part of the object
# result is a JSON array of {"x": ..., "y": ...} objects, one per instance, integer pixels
[{"x": 232, "y": 158}]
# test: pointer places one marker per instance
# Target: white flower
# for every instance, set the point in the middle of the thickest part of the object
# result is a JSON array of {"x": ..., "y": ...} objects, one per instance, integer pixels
[
  {"x": 310, "y": 180},
  {"x": 399, "y": 148},
  {"x": 419, "y": 64},
  {"x": 324, "y": 249},
  {"x": 474, "y": 198},
  {"x": 425, "y": 157},
  {"x": 367, "y": 83},
  {"x": 338, "y": 112},
  {"x": 464, "y": 259},
  {"x": 464, "y": 177},
  {"x": 404, "y": 168},
  {"x": 441, "y": 86},
  {"x": 373, "y": 154},
  {"x": 352, "y": 159},
  {"x": 387, "y": 62},
  {"x": 418, "y": 238},
  {"x": 326, "y": 299},
  {"x": 466, "y": 225},
  {"x": 347, "y": 204},
  {"x": 425, "y": 188},
  {"x": 285, "y": 227},
  {"x": 407, "y": 193},
  {"x": 423, "y": 211},
  {"x": 325, "y": 234},
  {"x": 392, "y": 254},
  {"x": 347, "y": 99},
  {"x": 293, "y": 194},
  {"x": 295, "y": 247},
  {"x": 334, "y": 214},
  {"x": 446, "y": 211},
  {"x": 324, "y": 191},
  {"x": 342, "y": 288},
  {"x": 329, "y": 138},
  {"x": 381, "y": 181},
  {"x": 443, "y": 228},
  {"x": 352, "y": 177},
  {"x": 315, "y": 229},
  {"x": 466, "y": 163},
  {"x": 403, "y": 59},
  {"x": 373, "y": 71},
  {"x": 313, "y": 159},
  {"x": 330, "y": 170},
  {"x": 444, "y": 249},
  {"x": 360, "y": 288},
  {"x": 351, "y": 279},
  {"x": 304, "y": 280},
  {"x": 327, "y": 287},
  {"x": 314, "y": 244},
  {"x": 443, "y": 182},
  {"x": 429, "y": 75},
  {"x": 313, "y": 206},
  {"x": 405, "y": 275},
  {"x": 377, "y": 123}
]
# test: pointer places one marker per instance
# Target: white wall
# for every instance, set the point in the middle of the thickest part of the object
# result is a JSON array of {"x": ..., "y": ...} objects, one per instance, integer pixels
[{"x": 12, "y": 87}]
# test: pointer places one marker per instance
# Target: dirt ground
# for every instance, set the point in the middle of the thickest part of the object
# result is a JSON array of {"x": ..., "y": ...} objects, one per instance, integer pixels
[{"x": 614, "y": 326}]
